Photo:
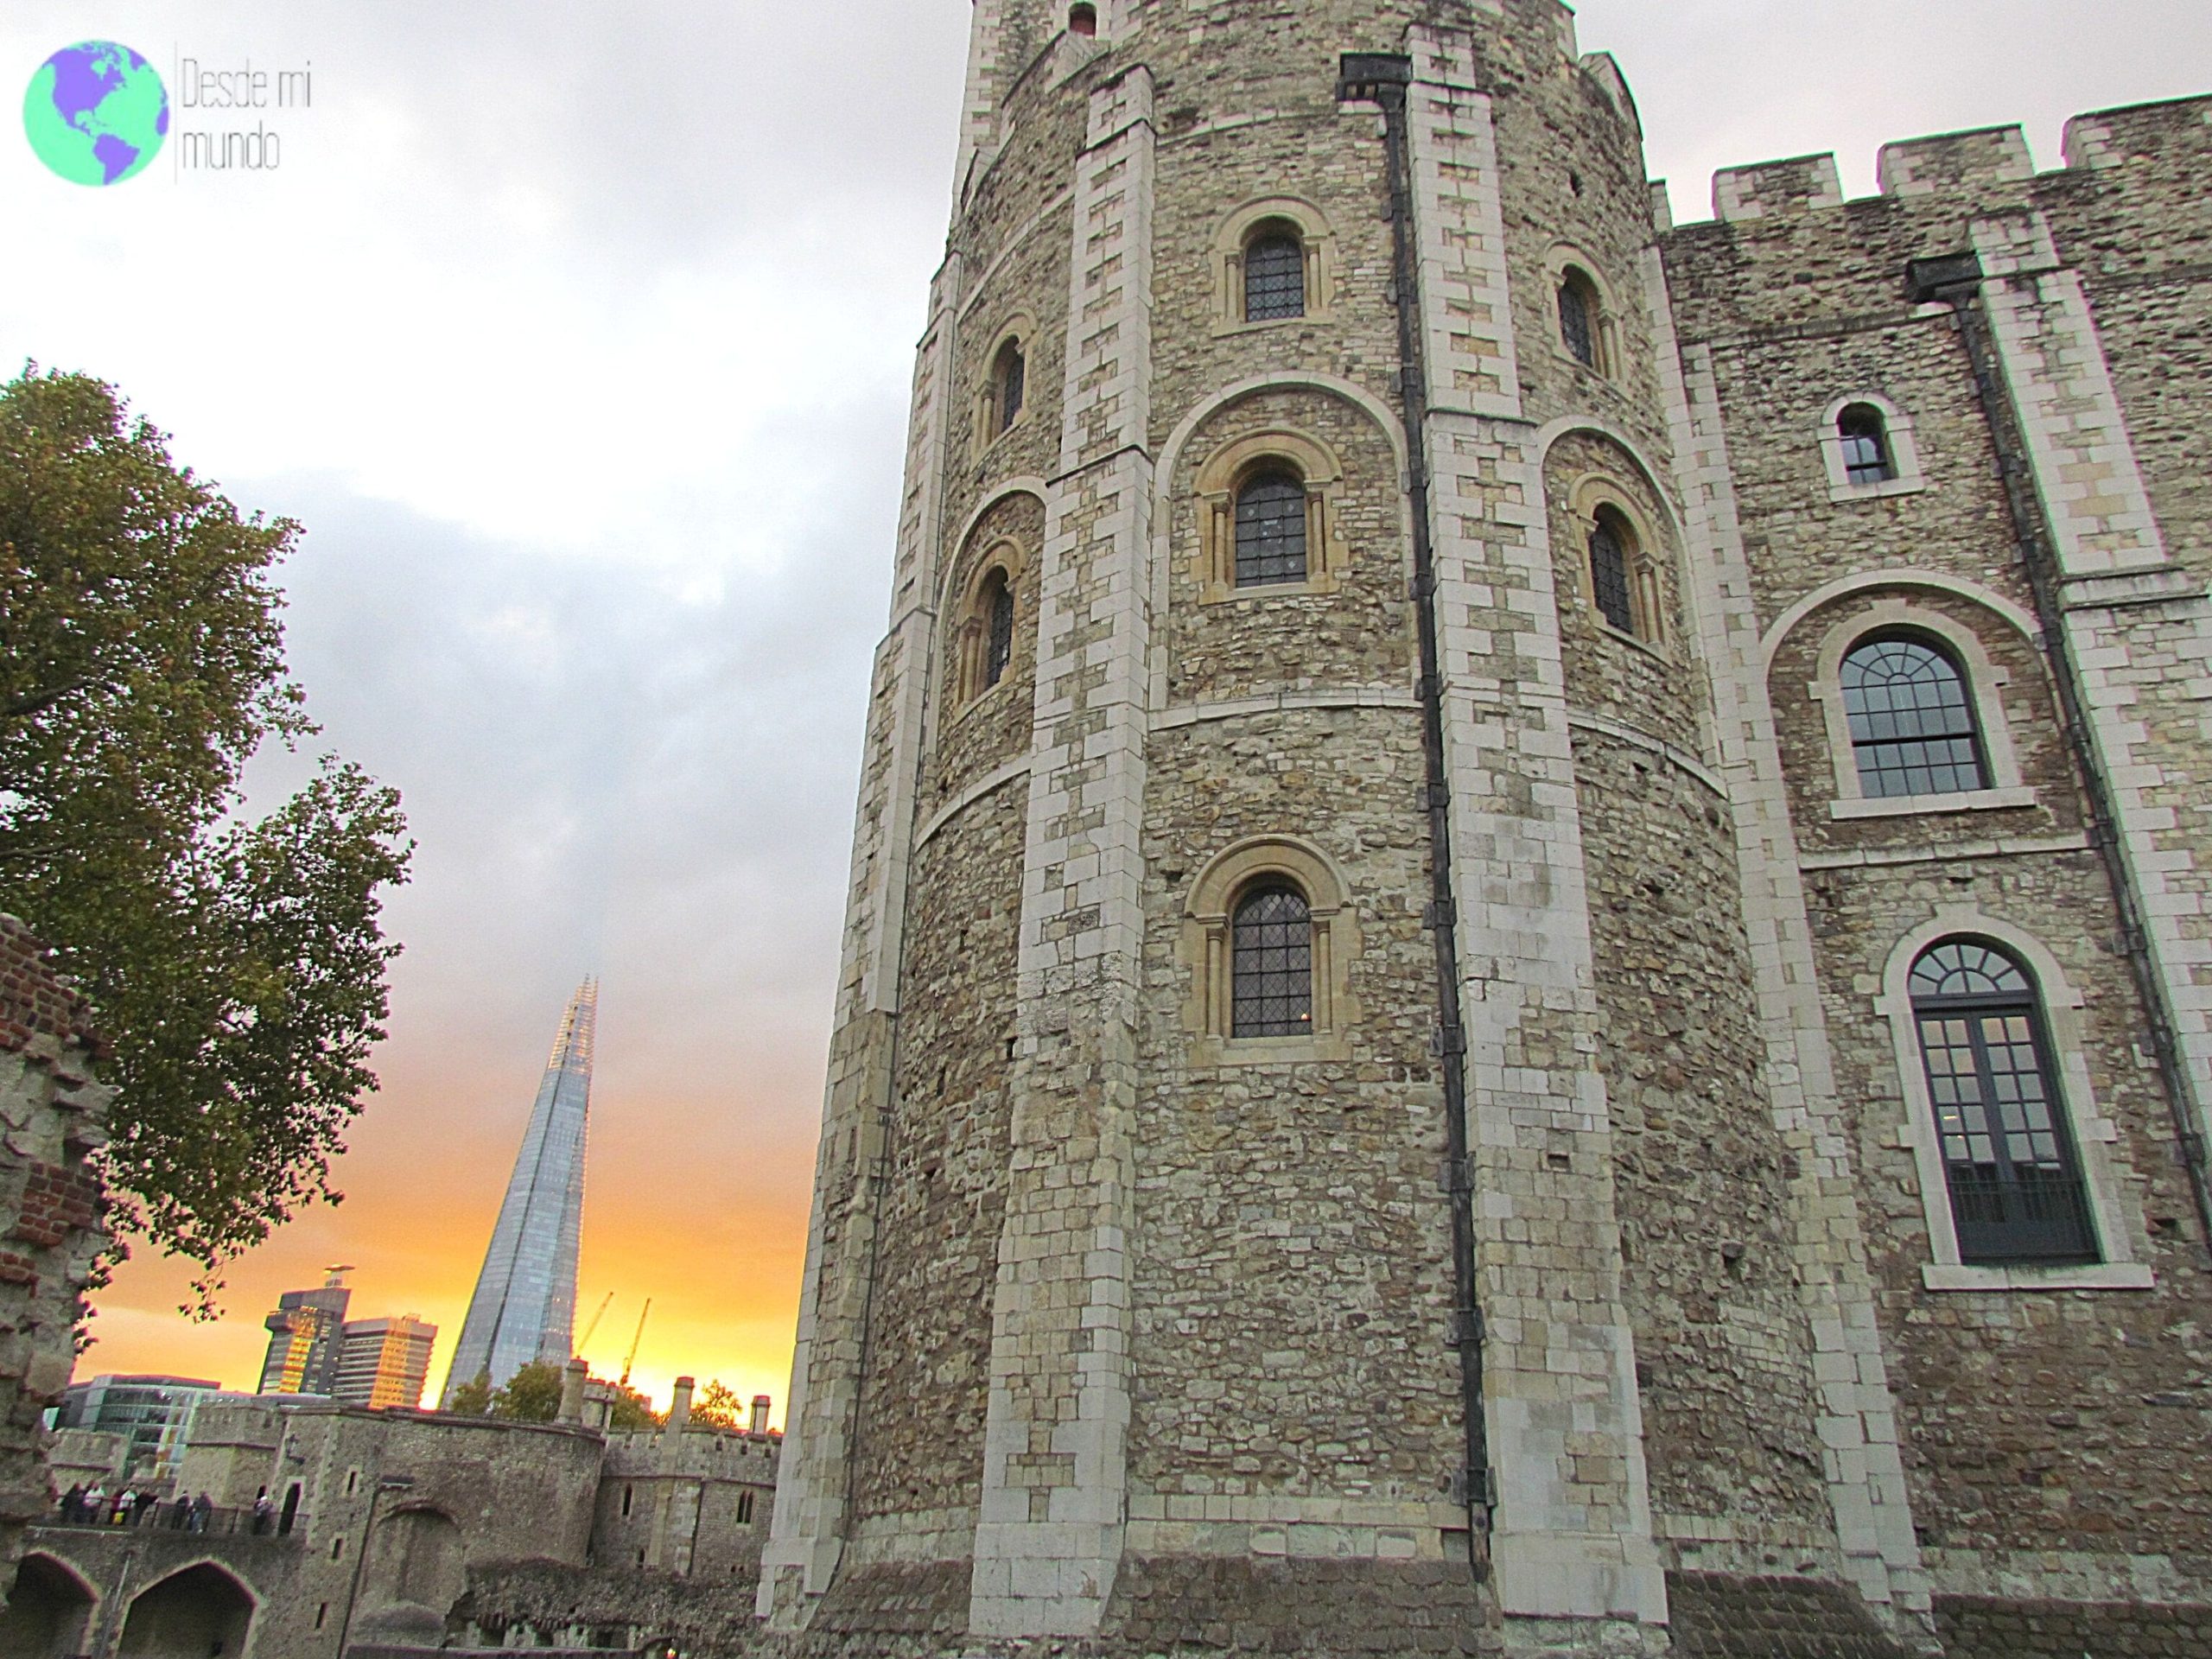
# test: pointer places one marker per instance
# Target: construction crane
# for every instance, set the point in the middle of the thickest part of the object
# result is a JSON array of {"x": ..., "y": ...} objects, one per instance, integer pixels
[
  {"x": 630, "y": 1358},
  {"x": 585, "y": 1342}
]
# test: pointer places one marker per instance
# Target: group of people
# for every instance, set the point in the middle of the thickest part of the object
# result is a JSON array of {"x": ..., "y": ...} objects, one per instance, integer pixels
[{"x": 91, "y": 1506}]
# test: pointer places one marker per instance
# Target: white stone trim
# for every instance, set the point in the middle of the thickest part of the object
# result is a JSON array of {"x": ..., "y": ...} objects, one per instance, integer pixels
[
  {"x": 1862, "y": 1461},
  {"x": 1905, "y": 575},
  {"x": 1904, "y": 451},
  {"x": 1317, "y": 240},
  {"x": 959, "y": 542},
  {"x": 1986, "y": 684},
  {"x": 2090, "y": 1131},
  {"x": 1205, "y": 945}
]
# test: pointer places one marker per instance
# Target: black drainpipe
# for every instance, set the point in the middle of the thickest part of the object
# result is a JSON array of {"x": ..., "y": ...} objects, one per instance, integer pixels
[
  {"x": 1955, "y": 280},
  {"x": 1383, "y": 79}
]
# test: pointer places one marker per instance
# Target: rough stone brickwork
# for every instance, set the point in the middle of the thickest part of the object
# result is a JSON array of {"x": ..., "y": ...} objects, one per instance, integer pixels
[
  {"x": 52, "y": 1115},
  {"x": 1122, "y": 1331}
]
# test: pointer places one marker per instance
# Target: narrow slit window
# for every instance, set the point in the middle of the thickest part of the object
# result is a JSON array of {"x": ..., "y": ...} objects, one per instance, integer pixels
[
  {"x": 1271, "y": 971},
  {"x": 998, "y": 645},
  {"x": 2015, "y": 1188},
  {"x": 1271, "y": 530},
  {"x": 1867, "y": 456},
  {"x": 1912, "y": 725},
  {"x": 1010, "y": 378},
  {"x": 1609, "y": 573},
  {"x": 1578, "y": 319},
  {"x": 1274, "y": 275}
]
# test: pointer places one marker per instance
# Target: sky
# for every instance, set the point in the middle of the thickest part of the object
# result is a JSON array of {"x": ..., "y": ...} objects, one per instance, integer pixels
[{"x": 579, "y": 335}]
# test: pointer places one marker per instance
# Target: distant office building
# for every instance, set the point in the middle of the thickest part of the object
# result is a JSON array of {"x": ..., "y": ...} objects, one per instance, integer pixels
[
  {"x": 303, "y": 1334},
  {"x": 524, "y": 1306},
  {"x": 384, "y": 1361},
  {"x": 153, "y": 1414}
]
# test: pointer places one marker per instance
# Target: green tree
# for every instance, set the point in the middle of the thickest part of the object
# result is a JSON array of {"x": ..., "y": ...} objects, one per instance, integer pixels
[
  {"x": 630, "y": 1412},
  {"x": 473, "y": 1398},
  {"x": 236, "y": 965},
  {"x": 718, "y": 1407},
  {"x": 532, "y": 1394}
]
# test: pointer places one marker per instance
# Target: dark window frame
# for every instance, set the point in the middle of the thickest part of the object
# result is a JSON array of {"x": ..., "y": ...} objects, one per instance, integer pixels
[
  {"x": 2017, "y": 1193},
  {"x": 998, "y": 625},
  {"x": 1009, "y": 386},
  {"x": 1869, "y": 453},
  {"x": 1908, "y": 737},
  {"x": 1581, "y": 316},
  {"x": 1271, "y": 959},
  {"x": 1612, "y": 571},
  {"x": 1272, "y": 548},
  {"x": 1274, "y": 274}
]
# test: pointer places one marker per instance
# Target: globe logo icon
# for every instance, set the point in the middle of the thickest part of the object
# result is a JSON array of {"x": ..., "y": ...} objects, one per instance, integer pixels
[{"x": 96, "y": 112}]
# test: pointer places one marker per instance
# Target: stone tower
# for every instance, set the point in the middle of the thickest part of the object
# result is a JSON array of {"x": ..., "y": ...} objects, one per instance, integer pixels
[{"x": 1328, "y": 1141}]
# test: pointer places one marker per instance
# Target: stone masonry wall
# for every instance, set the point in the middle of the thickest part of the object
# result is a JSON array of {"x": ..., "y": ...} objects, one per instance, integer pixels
[{"x": 52, "y": 1115}]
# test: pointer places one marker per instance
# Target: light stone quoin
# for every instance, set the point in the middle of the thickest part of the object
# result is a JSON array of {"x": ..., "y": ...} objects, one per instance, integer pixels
[{"x": 1122, "y": 1329}]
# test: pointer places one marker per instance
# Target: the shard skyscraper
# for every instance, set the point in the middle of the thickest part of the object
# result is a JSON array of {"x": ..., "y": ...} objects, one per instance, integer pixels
[{"x": 525, "y": 1307}]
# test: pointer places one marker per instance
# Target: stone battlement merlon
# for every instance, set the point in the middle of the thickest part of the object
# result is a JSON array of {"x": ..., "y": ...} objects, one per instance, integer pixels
[{"x": 2176, "y": 132}]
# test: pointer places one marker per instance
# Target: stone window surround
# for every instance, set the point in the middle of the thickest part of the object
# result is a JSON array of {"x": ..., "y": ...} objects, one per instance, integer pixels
[
  {"x": 1984, "y": 689},
  {"x": 1605, "y": 331},
  {"x": 1020, "y": 331},
  {"x": 1236, "y": 233},
  {"x": 1205, "y": 952},
  {"x": 1226, "y": 472},
  {"x": 1904, "y": 451},
  {"x": 1586, "y": 496},
  {"x": 2122, "y": 1267},
  {"x": 970, "y": 638}
]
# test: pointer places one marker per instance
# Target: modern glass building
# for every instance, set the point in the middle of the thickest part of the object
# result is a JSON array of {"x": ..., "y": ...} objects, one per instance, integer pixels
[{"x": 525, "y": 1302}]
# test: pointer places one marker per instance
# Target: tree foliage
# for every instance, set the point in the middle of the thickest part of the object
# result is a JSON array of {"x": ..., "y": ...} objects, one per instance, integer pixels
[
  {"x": 236, "y": 964},
  {"x": 719, "y": 1408},
  {"x": 630, "y": 1412},
  {"x": 532, "y": 1394},
  {"x": 472, "y": 1398}
]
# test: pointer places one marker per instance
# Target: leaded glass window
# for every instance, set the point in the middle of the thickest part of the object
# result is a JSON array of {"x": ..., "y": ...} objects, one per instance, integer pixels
[
  {"x": 1609, "y": 573},
  {"x": 1274, "y": 277},
  {"x": 1866, "y": 458},
  {"x": 1578, "y": 320},
  {"x": 999, "y": 649},
  {"x": 1913, "y": 728},
  {"x": 1271, "y": 530},
  {"x": 1013, "y": 375},
  {"x": 2016, "y": 1191},
  {"x": 1271, "y": 968}
]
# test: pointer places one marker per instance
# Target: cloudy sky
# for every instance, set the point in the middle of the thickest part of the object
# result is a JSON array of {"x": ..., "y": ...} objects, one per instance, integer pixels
[{"x": 578, "y": 335}]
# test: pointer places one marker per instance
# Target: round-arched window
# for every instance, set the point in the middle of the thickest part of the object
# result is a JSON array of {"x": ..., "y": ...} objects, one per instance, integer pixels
[
  {"x": 1912, "y": 725},
  {"x": 2016, "y": 1189},
  {"x": 998, "y": 616},
  {"x": 1579, "y": 317},
  {"x": 1274, "y": 274},
  {"x": 1611, "y": 547},
  {"x": 1271, "y": 529},
  {"x": 1009, "y": 384},
  {"x": 1271, "y": 966},
  {"x": 1866, "y": 453}
]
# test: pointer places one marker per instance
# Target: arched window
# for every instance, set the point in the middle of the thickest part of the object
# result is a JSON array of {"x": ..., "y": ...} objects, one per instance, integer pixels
[
  {"x": 1274, "y": 274},
  {"x": 1866, "y": 434},
  {"x": 1271, "y": 970},
  {"x": 1912, "y": 730},
  {"x": 2016, "y": 1189},
  {"x": 1271, "y": 530},
  {"x": 1082, "y": 20},
  {"x": 1579, "y": 317},
  {"x": 998, "y": 610},
  {"x": 1009, "y": 379},
  {"x": 1612, "y": 543}
]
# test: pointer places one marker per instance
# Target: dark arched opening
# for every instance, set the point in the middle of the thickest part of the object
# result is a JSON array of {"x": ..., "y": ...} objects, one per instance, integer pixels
[
  {"x": 48, "y": 1611},
  {"x": 200, "y": 1613}
]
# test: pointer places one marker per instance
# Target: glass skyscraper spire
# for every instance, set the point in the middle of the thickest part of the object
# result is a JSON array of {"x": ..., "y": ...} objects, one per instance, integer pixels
[{"x": 525, "y": 1307}]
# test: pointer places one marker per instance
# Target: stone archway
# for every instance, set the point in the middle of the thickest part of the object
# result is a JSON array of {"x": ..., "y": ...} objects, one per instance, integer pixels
[
  {"x": 200, "y": 1613},
  {"x": 48, "y": 1610}
]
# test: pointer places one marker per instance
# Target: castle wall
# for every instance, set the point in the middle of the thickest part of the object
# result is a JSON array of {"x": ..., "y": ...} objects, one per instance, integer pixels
[{"x": 1121, "y": 1328}]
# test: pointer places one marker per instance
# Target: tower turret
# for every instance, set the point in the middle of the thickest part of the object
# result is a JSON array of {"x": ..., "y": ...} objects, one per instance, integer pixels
[{"x": 1229, "y": 1208}]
